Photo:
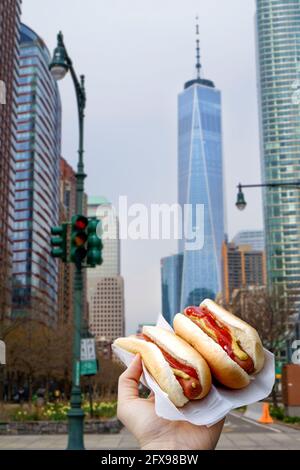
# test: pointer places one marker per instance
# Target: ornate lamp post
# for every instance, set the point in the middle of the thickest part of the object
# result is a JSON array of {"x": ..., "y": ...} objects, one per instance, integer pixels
[{"x": 60, "y": 65}]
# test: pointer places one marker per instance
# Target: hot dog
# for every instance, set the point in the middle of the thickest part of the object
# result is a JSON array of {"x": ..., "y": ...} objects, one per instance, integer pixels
[
  {"x": 231, "y": 347},
  {"x": 178, "y": 369}
]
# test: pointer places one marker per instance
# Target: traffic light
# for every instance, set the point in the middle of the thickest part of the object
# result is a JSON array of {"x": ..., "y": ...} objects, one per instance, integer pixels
[
  {"x": 59, "y": 242},
  {"x": 79, "y": 237},
  {"x": 94, "y": 243}
]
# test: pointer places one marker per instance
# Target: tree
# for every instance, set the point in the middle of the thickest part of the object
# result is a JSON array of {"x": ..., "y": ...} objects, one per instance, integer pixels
[{"x": 270, "y": 312}]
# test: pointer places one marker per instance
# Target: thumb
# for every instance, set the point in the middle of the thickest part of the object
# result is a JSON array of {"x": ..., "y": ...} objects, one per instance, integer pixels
[{"x": 129, "y": 380}]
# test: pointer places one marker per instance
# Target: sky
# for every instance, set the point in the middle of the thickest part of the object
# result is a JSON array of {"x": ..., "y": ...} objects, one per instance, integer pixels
[{"x": 137, "y": 55}]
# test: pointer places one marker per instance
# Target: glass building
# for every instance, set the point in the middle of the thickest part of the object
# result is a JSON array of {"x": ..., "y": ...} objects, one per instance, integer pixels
[
  {"x": 278, "y": 57},
  {"x": 10, "y": 11},
  {"x": 254, "y": 238},
  {"x": 200, "y": 182},
  {"x": 171, "y": 277},
  {"x": 36, "y": 206}
]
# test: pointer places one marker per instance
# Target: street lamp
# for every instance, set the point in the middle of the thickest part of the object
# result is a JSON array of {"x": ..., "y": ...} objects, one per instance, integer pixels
[
  {"x": 240, "y": 202},
  {"x": 60, "y": 65}
]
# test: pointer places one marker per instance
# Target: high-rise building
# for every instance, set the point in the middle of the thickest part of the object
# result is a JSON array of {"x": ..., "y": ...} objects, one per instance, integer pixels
[
  {"x": 243, "y": 267},
  {"x": 254, "y": 238},
  {"x": 36, "y": 205},
  {"x": 278, "y": 60},
  {"x": 10, "y": 11},
  {"x": 171, "y": 274},
  {"x": 66, "y": 270},
  {"x": 105, "y": 285},
  {"x": 200, "y": 182}
]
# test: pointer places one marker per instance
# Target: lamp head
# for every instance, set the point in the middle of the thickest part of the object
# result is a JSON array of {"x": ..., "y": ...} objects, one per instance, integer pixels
[
  {"x": 59, "y": 66},
  {"x": 240, "y": 202}
]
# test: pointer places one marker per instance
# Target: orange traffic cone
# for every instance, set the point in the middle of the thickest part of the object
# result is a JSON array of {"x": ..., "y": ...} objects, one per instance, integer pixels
[{"x": 265, "y": 418}]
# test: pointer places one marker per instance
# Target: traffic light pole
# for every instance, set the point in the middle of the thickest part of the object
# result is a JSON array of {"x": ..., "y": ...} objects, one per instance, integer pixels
[
  {"x": 63, "y": 62},
  {"x": 76, "y": 414},
  {"x": 83, "y": 232}
]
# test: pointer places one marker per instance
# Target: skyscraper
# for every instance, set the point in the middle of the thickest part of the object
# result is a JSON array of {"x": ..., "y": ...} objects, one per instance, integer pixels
[
  {"x": 105, "y": 285},
  {"x": 200, "y": 182},
  {"x": 36, "y": 206},
  {"x": 171, "y": 276},
  {"x": 9, "y": 41},
  {"x": 278, "y": 59}
]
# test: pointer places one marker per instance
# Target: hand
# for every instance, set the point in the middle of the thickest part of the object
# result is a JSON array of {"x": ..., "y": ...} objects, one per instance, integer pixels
[{"x": 152, "y": 432}]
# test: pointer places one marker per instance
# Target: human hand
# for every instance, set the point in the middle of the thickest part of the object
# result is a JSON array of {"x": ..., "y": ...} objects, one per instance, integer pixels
[{"x": 152, "y": 432}]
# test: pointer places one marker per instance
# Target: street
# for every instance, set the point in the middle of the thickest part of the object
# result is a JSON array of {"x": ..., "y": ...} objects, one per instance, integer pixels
[{"x": 238, "y": 433}]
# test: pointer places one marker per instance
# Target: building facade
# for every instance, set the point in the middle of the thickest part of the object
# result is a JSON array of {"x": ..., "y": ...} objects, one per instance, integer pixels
[
  {"x": 243, "y": 267},
  {"x": 36, "y": 205},
  {"x": 278, "y": 60},
  {"x": 10, "y": 11},
  {"x": 200, "y": 184},
  {"x": 106, "y": 309},
  {"x": 105, "y": 285},
  {"x": 66, "y": 270},
  {"x": 171, "y": 277},
  {"x": 254, "y": 238}
]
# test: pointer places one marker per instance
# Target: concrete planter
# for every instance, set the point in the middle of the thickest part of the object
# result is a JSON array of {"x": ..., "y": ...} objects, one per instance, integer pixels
[{"x": 109, "y": 426}]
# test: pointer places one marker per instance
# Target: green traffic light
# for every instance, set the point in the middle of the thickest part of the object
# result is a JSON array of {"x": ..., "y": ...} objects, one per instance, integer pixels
[
  {"x": 94, "y": 243},
  {"x": 59, "y": 242}
]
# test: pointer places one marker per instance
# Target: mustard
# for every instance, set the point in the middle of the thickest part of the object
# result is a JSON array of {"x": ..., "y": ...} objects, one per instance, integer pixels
[
  {"x": 237, "y": 350},
  {"x": 181, "y": 374},
  {"x": 235, "y": 346}
]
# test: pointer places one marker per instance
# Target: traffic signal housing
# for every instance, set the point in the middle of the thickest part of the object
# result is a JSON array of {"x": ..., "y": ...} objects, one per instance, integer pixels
[
  {"x": 78, "y": 251},
  {"x": 59, "y": 242},
  {"x": 94, "y": 243}
]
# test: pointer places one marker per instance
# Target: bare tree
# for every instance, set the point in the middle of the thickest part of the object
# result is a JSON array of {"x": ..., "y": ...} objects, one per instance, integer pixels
[{"x": 270, "y": 312}]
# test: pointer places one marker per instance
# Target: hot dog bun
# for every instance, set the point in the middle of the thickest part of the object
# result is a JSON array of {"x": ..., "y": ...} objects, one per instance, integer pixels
[
  {"x": 182, "y": 352},
  {"x": 225, "y": 369},
  {"x": 158, "y": 366}
]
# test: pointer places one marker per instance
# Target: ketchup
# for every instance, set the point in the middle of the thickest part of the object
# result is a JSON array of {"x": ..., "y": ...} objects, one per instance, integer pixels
[
  {"x": 222, "y": 333},
  {"x": 174, "y": 363}
]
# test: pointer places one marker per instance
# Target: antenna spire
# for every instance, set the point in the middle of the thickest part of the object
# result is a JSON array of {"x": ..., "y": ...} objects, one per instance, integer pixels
[{"x": 198, "y": 64}]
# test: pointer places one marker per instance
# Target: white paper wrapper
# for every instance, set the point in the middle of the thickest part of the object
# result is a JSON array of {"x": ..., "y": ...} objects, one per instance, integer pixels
[{"x": 217, "y": 403}]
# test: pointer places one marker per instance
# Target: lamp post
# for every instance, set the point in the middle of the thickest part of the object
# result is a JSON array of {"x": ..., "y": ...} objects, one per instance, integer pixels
[{"x": 60, "y": 65}]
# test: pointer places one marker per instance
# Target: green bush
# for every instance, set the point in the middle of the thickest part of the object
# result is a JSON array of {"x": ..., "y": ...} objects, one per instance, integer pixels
[{"x": 279, "y": 413}]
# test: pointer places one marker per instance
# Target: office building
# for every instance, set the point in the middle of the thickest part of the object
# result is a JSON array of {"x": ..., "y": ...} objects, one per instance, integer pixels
[
  {"x": 36, "y": 204},
  {"x": 171, "y": 277},
  {"x": 200, "y": 184},
  {"x": 105, "y": 285},
  {"x": 10, "y": 11},
  {"x": 243, "y": 268},
  {"x": 254, "y": 238},
  {"x": 278, "y": 61},
  {"x": 66, "y": 270}
]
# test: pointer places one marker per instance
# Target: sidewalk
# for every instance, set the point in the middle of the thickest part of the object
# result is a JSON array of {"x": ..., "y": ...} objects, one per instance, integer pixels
[{"x": 238, "y": 433}]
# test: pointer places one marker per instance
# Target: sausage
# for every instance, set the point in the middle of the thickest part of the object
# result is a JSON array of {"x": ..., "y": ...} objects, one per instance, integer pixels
[{"x": 191, "y": 387}]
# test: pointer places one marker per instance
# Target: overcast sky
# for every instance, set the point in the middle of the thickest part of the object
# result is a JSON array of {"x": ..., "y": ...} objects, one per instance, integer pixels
[{"x": 136, "y": 55}]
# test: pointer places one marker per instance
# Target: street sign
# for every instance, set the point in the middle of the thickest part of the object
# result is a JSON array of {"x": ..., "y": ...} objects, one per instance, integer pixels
[
  {"x": 88, "y": 349},
  {"x": 88, "y": 357},
  {"x": 2, "y": 353}
]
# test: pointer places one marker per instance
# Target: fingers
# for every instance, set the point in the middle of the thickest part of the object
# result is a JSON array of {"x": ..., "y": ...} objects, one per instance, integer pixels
[{"x": 129, "y": 380}]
